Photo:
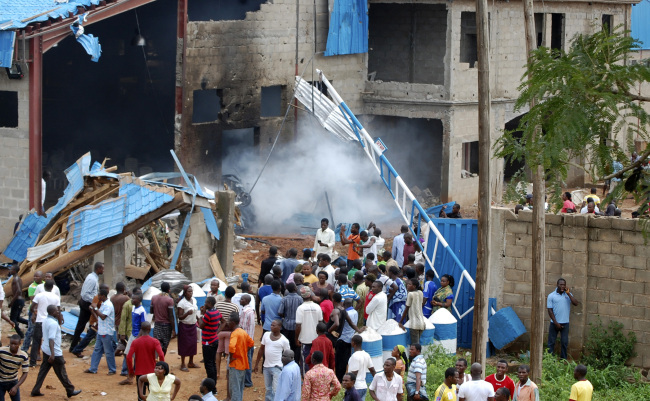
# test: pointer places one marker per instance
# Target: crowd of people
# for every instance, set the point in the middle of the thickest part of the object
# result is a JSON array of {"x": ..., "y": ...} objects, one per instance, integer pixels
[{"x": 311, "y": 312}]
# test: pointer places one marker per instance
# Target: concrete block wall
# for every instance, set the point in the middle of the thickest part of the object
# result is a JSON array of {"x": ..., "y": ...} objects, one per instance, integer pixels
[
  {"x": 240, "y": 57},
  {"x": 604, "y": 260},
  {"x": 14, "y": 161},
  {"x": 507, "y": 40}
]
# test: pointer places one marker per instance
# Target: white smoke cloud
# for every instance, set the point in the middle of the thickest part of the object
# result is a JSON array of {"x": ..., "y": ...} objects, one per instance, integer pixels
[{"x": 291, "y": 191}]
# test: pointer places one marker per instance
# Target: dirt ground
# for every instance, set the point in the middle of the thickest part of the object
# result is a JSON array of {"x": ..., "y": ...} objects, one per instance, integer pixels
[{"x": 94, "y": 386}]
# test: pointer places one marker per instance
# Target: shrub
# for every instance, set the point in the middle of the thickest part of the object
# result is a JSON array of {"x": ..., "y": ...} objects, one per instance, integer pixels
[{"x": 608, "y": 346}]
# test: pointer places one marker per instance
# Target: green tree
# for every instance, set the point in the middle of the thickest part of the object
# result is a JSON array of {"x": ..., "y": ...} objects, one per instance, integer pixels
[{"x": 588, "y": 100}]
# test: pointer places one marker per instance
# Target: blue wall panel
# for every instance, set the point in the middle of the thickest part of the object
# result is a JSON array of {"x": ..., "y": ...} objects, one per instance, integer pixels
[
  {"x": 348, "y": 32},
  {"x": 641, "y": 23},
  {"x": 462, "y": 237}
]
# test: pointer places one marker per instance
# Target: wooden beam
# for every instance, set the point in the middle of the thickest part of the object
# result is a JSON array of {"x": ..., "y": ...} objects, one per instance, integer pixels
[
  {"x": 481, "y": 299},
  {"x": 147, "y": 255},
  {"x": 71, "y": 258}
]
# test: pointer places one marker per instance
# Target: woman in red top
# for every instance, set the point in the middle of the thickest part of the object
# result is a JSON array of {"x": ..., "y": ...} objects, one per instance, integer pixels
[{"x": 568, "y": 206}]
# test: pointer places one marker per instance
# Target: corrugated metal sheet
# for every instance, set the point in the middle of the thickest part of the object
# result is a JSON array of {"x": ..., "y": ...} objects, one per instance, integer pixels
[
  {"x": 25, "y": 237},
  {"x": 141, "y": 200},
  {"x": 328, "y": 113},
  {"x": 33, "y": 224},
  {"x": 93, "y": 223},
  {"x": 462, "y": 236},
  {"x": 641, "y": 23},
  {"x": 7, "y": 40},
  {"x": 210, "y": 221},
  {"x": 348, "y": 32},
  {"x": 19, "y": 13}
]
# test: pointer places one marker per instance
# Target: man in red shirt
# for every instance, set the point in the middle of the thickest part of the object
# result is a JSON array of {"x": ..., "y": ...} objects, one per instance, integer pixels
[
  {"x": 322, "y": 344},
  {"x": 500, "y": 379},
  {"x": 145, "y": 349}
]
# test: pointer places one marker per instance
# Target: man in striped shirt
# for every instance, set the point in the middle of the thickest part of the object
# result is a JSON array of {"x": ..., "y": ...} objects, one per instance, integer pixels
[
  {"x": 345, "y": 291},
  {"x": 12, "y": 359},
  {"x": 209, "y": 324},
  {"x": 417, "y": 377}
]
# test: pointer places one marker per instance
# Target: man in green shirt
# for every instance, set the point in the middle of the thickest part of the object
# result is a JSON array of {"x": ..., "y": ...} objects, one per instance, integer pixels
[{"x": 38, "y": 279}]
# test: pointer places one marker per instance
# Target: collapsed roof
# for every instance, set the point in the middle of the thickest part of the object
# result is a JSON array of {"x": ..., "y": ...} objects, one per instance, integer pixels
[{"x": 99, "y": 208}]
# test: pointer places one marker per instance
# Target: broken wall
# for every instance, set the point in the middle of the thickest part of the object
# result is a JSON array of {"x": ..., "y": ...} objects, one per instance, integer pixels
[
  {"x": 237, "y": 59},
  {"x": 14, "y": 154},
  {"x": 604, "y": 260}
]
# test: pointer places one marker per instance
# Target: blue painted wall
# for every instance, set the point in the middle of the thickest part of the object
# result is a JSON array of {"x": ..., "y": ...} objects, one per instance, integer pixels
[
  {"x": 462, "y": 236},
  {"x": 641, "y": 23}
]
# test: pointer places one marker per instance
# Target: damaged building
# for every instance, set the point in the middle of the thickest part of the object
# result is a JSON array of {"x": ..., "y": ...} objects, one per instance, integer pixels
[{"x": 209, "y": 77}]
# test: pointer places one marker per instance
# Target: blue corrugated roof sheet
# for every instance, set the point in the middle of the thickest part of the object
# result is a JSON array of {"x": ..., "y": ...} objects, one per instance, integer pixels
[
  {"x": 348, "y": 33},
  {"x": 641, "y": 23},
  {"x": 210, "y": 221},
  {"x": 142, "y": 200},
  {"x": 33, "y": 224},
  {"x": 20, "y": 13},
  {"x": 93, "y": 223}
]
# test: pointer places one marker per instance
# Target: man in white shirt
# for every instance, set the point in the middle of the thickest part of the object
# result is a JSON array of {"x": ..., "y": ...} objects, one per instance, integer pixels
[
  {"x": 325, "y": 239},
  {"x": 308, "y": 315},
  {"x": 387, "y": 386},
  {"x": 368, "y": 245},
  {"x": 41, "y": 287},
  {"x": 377, "y": 307},
  {"x": 398, "y": 246},
  {"x": 105, "y": 315},
  {"x": 39, "y": 314},
  {"x": 360, "y": 364},
  {"x": 325, "y": 265},
  {"x": 477, "y": 389}
]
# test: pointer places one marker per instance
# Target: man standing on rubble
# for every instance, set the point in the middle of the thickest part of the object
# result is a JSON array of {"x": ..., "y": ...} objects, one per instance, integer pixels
[
  {"x": 325, "y": 239},
  {"x": 162, "y": 307},
  {"x": 89, "y": 289}
]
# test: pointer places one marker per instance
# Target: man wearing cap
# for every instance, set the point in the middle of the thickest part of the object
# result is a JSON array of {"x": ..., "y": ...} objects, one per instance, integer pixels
[{"x": 308, "y": 315}]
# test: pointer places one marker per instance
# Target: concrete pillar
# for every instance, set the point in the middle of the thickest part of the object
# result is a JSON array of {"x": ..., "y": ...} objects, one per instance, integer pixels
[
  {"x": 114, "y": 262},
  {"x": 226, "y": 224},
  {"x": 200, "y": 242}
]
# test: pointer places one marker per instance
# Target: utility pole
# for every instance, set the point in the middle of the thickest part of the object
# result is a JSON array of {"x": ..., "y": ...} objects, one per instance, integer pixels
[
  {"x": 539, "y": 228},
  {"x": 479, "y": 332}
]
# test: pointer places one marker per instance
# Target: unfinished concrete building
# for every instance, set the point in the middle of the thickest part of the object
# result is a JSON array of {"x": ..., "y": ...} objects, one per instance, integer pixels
[
  {"x": 416, "y": 87},
  {"x": 412, "y": 79}
]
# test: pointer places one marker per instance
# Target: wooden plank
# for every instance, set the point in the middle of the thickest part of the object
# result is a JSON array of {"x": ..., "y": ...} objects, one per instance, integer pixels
[
  {"x": 137, "y": 272},
  {"x": 216, "y": 268},
  {"x": 71, "y": 258},
  {"x": 147, "y": 255},
  {"x": 152, "y": 227}
]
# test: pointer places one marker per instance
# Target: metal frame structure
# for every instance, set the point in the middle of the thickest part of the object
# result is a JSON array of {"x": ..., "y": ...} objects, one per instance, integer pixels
[{"x": 409, "y": 207}]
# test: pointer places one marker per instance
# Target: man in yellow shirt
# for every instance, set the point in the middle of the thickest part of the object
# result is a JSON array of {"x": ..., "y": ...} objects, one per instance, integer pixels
[
  {"x": 307, "y": 274},
  {"x": 582, "y": 390},
  {"x": 447, "y": 390}
]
